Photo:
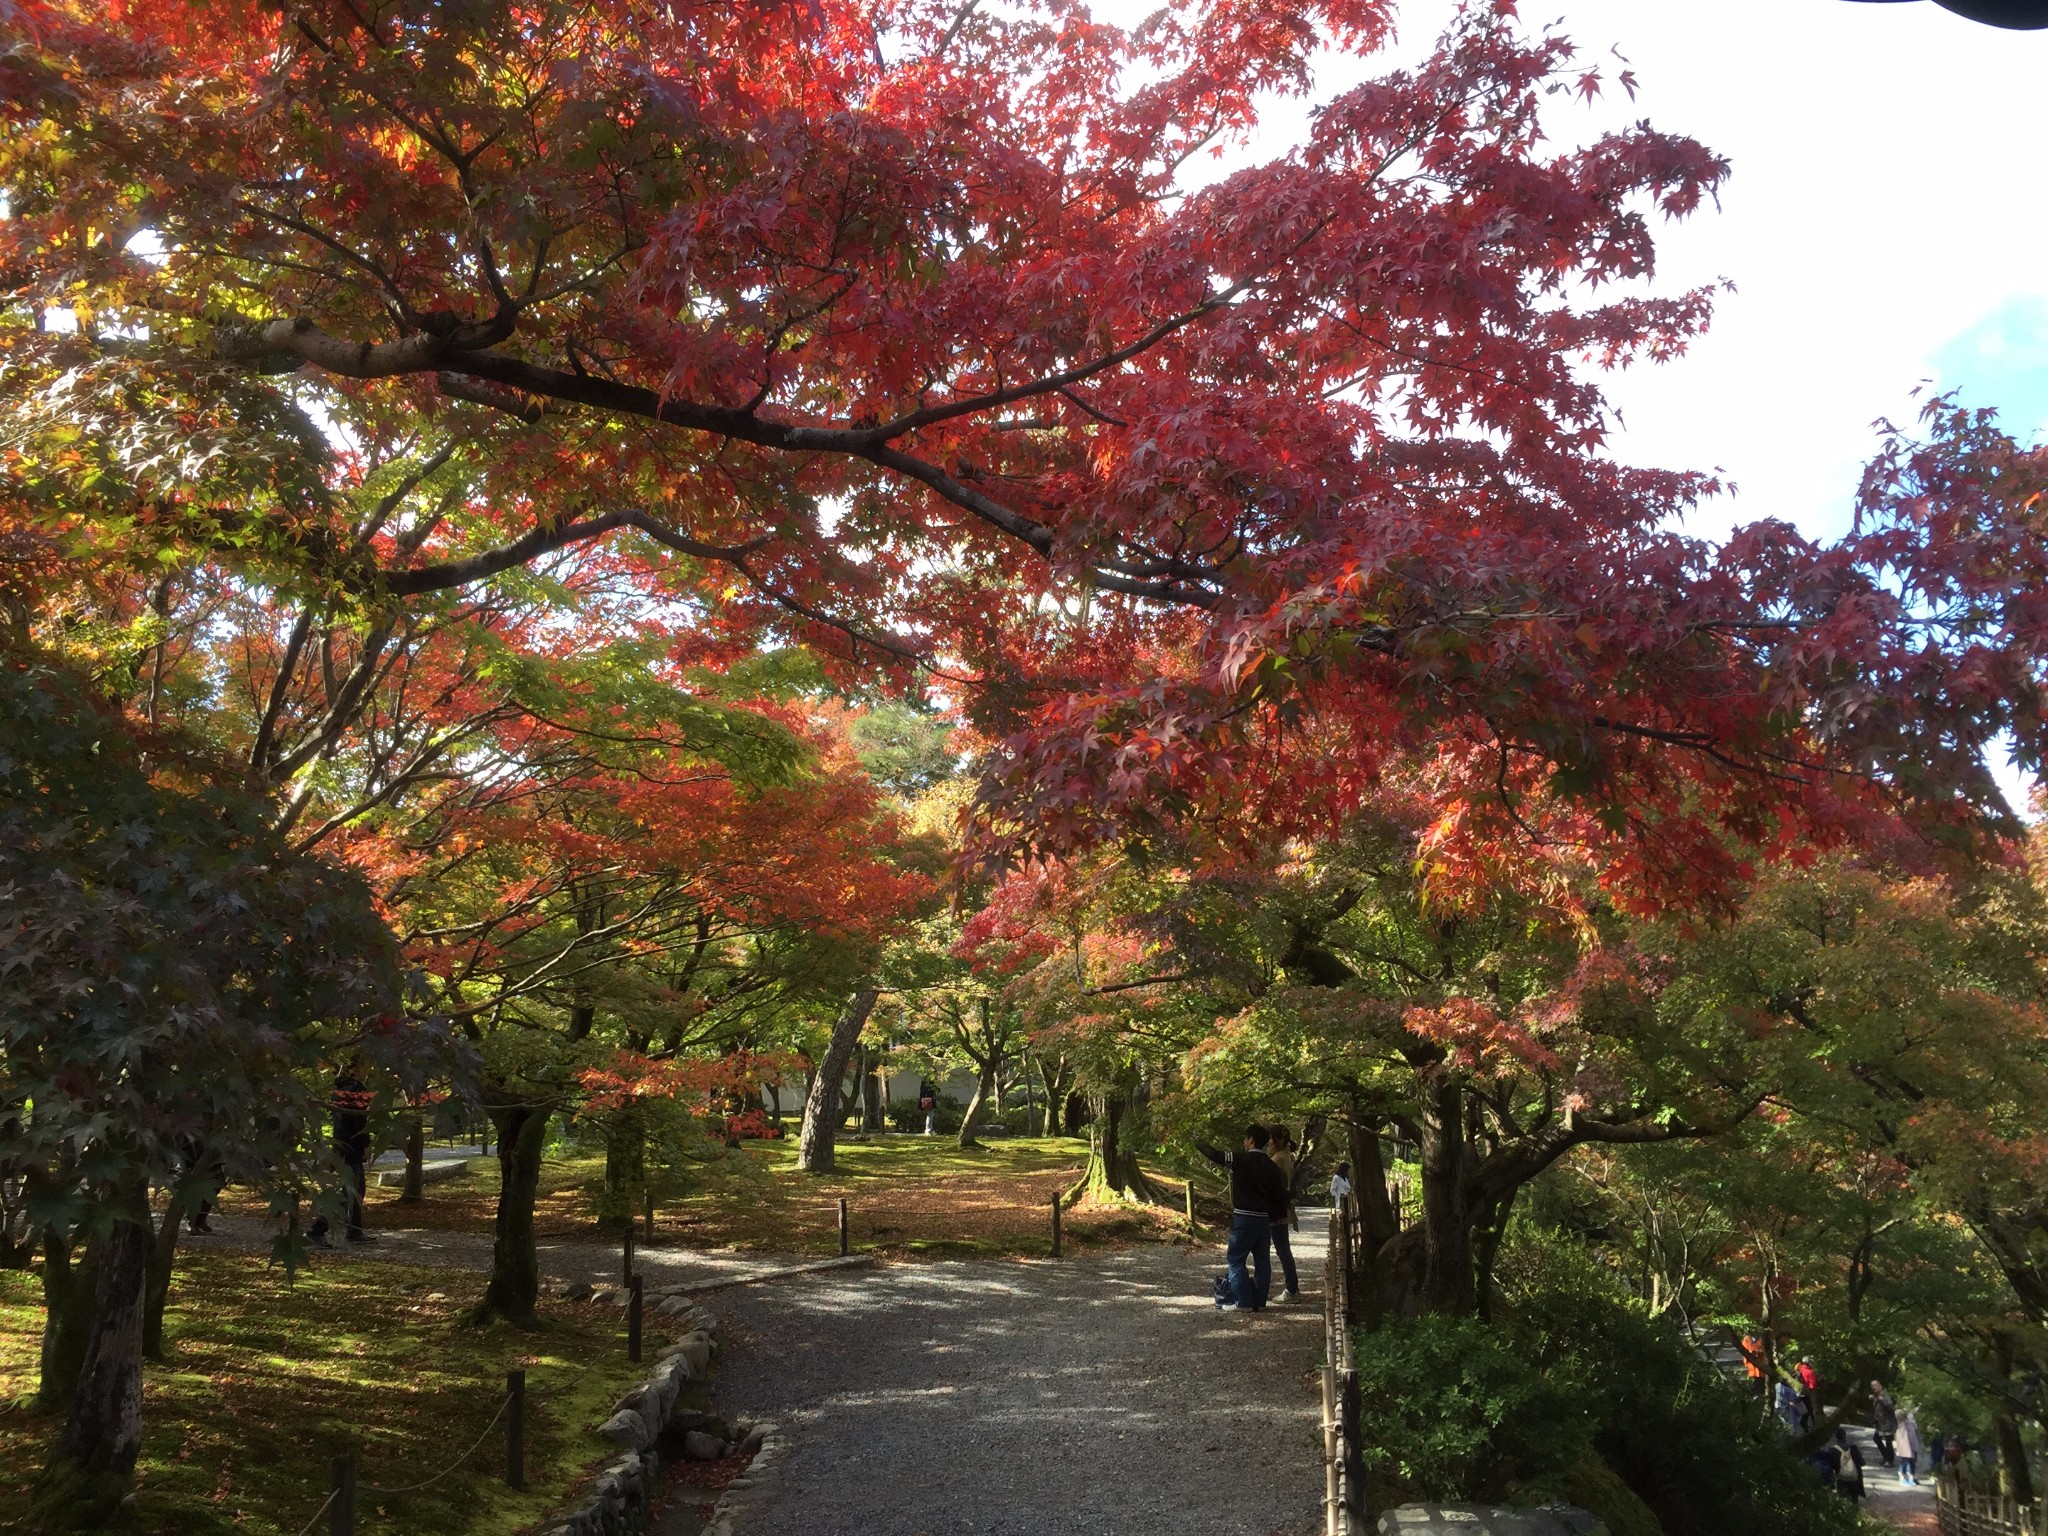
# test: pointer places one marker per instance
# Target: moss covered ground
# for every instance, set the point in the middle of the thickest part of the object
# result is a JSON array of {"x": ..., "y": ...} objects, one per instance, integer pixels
[
  {"x": 908, "y": 1197},
  {"x": 264, "y": 1382}
]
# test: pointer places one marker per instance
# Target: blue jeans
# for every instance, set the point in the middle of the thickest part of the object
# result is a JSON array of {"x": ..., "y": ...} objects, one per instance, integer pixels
[
  {"x": 1285, "y": 1247},
  {"x": 1250, "y": 1237}
]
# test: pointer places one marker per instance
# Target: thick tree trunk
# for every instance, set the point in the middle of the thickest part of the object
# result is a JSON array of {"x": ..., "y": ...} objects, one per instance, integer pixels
[
  {"x": 68, "y": 1289},
  {"x": 2015, "y": 1479},
  {"x": 415, "y": 1189},
  {"x": 1113, "y": 1172},
  {"x": 514, "y": 1289},
  {"x": 1387, "y": 1274},
  {"x": 873, "y": 1111},
  {"x": 625, "y": 1167},
  {"x": 977, "y": 1108},
  {"x": 817, "y": 1147},
  {"x": 93, "y": 1463},
  {"x": 1447, "y": 1281}
]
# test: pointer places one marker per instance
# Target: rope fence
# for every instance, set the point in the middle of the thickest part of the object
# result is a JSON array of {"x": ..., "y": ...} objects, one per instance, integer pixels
[
  {"x": 319, "y": 1512},
  {"x": 503, "y": 1403}
]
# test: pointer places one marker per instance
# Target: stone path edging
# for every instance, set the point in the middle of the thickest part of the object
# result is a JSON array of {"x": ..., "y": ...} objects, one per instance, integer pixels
[
  {"x": 747, "y": 1490},
  {"x": 621, "y": 1497}
]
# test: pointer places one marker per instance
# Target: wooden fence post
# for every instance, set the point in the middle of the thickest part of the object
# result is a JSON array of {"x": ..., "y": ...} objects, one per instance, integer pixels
[
  {"x": 1055, "y": 1226},
  {"x": 647, "y": 1214},
  {"x": 1188, "y": 1197},
  {"x": 341, "y": 1514},
  {"x": 515, "y": 1430},
  {"x": 1330, "y": 1451},
  {"x": 844, "y": 1246},
  {"x": 626, "y": 1265},
  {"x": 1352, "y": 1477},
  {"x": 636, "y": 1292}
]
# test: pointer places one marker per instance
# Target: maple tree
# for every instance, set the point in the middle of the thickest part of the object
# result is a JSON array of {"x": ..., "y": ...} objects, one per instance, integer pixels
[
  {"x": 173, "y": 982},
  {"x": 607, "y": 895},
  {"x": 905, "y": 327}
]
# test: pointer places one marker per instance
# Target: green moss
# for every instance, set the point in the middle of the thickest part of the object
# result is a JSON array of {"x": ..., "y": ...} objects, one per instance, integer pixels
[
  {"x": 264, "y": 1384},
  {"x": 1593, "y": 1485}
]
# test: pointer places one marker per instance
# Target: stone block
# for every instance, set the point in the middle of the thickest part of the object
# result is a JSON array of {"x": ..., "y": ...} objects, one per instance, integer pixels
[
  {"x": 698, "y": 1446},
  {"x": 697, "y": 1350},
  {"x": 627, "y": 1430}
]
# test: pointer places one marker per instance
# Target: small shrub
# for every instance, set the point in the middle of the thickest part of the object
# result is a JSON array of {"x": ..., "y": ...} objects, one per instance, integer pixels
[{"x": 1455, "y": 1411}]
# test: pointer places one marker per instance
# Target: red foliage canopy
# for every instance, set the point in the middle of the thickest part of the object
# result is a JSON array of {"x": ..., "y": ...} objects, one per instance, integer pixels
[{"x": 897, "y": 322}]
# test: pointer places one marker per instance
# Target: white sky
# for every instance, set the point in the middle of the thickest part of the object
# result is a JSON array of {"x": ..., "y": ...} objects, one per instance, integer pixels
[{"x": 1883, "y": 226}]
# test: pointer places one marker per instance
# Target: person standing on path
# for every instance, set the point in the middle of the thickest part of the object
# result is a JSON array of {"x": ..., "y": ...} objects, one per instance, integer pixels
[
  {"x": 1809, "y": 1391},
  {"x": 1906, "y": 1442},
  {"x": 1281, "y": 1151},
  {"x": 351, "y": 1107},
  {"x": 1340, "y": 1189},
  {"x": 1258, "y": 1198},
  {"x": 1884, "y": 1420}
]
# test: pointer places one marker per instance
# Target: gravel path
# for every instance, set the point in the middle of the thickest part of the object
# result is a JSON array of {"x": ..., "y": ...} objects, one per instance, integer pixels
[{"x": 1102, "y": 1394}]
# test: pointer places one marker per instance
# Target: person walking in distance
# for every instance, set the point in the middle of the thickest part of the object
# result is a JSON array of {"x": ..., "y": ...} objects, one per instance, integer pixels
[
  {"x": 1906, "y": 1443},
  {"x": 1884, "y": 1420},
  {"x": 1258, "y": 1198},
  {"x": 1280, "y": 1148},
  {"x": 351, "y": 1109}
]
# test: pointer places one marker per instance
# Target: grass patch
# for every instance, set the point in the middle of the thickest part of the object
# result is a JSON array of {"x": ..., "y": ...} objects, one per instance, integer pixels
[
  {"x": 263, "y": 1385},
  {"x": 909, "y": 1197}
]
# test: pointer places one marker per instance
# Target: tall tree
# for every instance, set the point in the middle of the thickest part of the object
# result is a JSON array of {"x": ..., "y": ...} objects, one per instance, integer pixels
[{"x": 175, "y": 984}]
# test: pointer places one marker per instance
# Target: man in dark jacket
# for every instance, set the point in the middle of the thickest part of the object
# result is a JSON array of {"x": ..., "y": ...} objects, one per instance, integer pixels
[
  {"x": 1884, "y": 1420},
  {"x": 1258, "y": 1198},
  {"x": 351, "y": 1109}
]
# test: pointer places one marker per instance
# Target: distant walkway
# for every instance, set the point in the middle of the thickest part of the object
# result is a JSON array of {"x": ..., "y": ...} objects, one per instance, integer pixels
[
  {"x": 561, "y": 1259},
  {"x": 1102, "y": 1395},
  {"x": 1907, "y": 1509}
]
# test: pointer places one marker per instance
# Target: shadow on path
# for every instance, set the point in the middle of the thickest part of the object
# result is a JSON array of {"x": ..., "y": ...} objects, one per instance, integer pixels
[{"x": 1103, "y": 1394}]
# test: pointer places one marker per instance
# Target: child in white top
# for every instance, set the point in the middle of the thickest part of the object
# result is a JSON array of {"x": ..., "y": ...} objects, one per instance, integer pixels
[{"x": 1340, "y": 1186}]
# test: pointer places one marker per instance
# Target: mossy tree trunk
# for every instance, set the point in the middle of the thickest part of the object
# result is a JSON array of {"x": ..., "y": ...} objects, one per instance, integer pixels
[
  {"x": 69, "y": 1280},
  {"x": 92, "y": 1465},
  {"x": 1116, "y": 1131},
  {"x": 514, "y": 1288},
  {"x": 625, "y": 1167},
  {"x": 2015, "y": 1478}
]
